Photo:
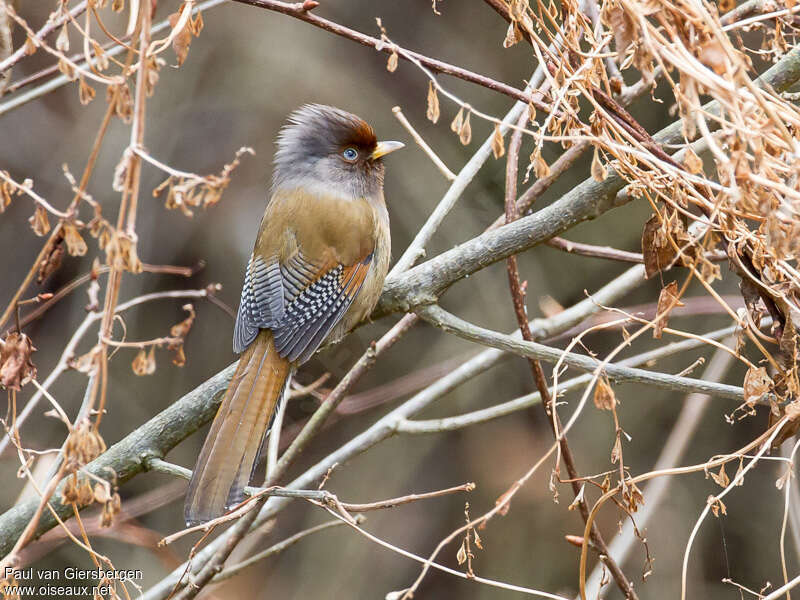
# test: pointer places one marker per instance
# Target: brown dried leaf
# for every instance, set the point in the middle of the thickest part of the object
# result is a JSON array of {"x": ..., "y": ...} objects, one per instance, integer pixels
[
  {"x": 693, "y": 162},
  {"x": 198, "y": 24},
  {"x": 667, "y": 300},
  {"x": 461, "y": 555},
  {"x": 540, "y": 167},
  {"x": 721, "y": 478},
  {"x": 391, "y": 64},
  {"x": 712, "y": 55},
  {"x": 598, "y": 170},
  {"x": 623, "y": 27},
  {"x": 633, "y": 497},
  {"x": 101, "y": 58},
  {"x": 66, "y": 69},
  {"x": 101, "y": 493},
  {"x": 144, "y": 363},
  {"x": 513, "y": 35},
  {"x": 39, "y": 221},
  {"x": 433, "y": 103},
  {"x": 62, "y": 41},
  {"x": 458, "y": 121},
  {"x": 16, "y": 366},
  {"x": 85, "y": 92},
  {"x": 76, "y": 246},
  {"x": 616, "y": 451},
  {"x": 180, "y": 330},
  {"x": 657, "y": 250},
  {"x": 604, "y": 397},
  {"x": 52, "y": 261},
  {"x": 498, "y": 146},
  {"x": 717, "y": 506},
  {"x": 477, "y": 539},
  {"x": 30, "y": 46},
  {"x": 178, "y": 357},
  {"x": 465, "y": 135},
  {"x": 757, "y": 384},
  {"x": 788, "y": 341}
]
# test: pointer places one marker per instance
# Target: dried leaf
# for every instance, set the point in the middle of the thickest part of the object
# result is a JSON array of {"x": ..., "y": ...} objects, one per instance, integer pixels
[
  {"x": 623, "y": 27},
  {"x": 178, "y": 357},
  {"x": 667, "y": 300},
  {"x": 598, "y": 170},
  {"x": 657, "y": 250},
  {"x": 693, "y": 162},
  {"x": 122, "y": 171},
  {"x": 616, "y": 451},
  {"x": 717, "y": 506},
  {"x": 39, "y": 221},
  {"x": 712, "y": 55},
  {"x": 66, "y": 69},
  {"x": 144, "y": 363},
  {"x": 458, "y": 121},
  {"x": 52, "y": 261},
  {"x": 757, "y": 384},
  {"x": 180, "y": 330},
  {"x": 513, "y": 35},
  {"x": 498, "y": 146},
  {"x": 391, "y": 64},
  {"x": 721, "y": 478},
  {"x": 433, "y": 103},
  {"x": 540, "y": 167},
  {"x": 101, "y": 493},
  {"x": 461, "y": 555},
  {"x": 465, "y": 135},
  {"x": 101, "y": 58},
  {"x": 85, "y": 92},
  {"x": 76, "y": 246},
  {"x": 16, "y": 366},
  {"x": 198, "y": 24},
  {"x": 477, "y": 539},
  {"x": 62, "y": 41},
  {"x": 604, "y": 397},
  {"x": 30, "y": 46}
]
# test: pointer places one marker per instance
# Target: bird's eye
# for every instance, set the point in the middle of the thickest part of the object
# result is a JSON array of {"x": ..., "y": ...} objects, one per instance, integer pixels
[{"x": 350, "y": 154}]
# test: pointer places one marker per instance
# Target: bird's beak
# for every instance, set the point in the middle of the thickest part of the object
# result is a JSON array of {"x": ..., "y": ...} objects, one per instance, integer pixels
[{"x": 384, "y": 148}]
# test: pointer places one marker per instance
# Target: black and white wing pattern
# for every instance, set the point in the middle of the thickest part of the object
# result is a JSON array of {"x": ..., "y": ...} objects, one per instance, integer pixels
[
  {"x": 262, "y": 303},
  {"x": 301, "y": 301}
]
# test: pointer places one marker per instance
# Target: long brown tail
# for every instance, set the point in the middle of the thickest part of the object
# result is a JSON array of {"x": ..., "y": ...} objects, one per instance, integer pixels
[{"x": 233, "y": 443}]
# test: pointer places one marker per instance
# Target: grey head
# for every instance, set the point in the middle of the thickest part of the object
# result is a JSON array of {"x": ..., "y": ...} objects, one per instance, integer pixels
[{"x": 332, "y": 150}]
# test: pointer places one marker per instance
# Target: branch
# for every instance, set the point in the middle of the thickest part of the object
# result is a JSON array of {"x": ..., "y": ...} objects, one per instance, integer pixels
[
  {"x": 126, "y": 458},
  {"x": 424, "y": 283},
  {"x": 452, "y": 324},
  {"x": 302, "y": 11}
]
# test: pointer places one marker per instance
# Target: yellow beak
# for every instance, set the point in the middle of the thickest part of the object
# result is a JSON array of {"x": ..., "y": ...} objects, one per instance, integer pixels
[{"x": 384, "y": 148}]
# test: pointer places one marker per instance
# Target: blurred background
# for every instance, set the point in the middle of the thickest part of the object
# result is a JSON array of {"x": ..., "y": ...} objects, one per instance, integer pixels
[{"x": 248, "y": 69}]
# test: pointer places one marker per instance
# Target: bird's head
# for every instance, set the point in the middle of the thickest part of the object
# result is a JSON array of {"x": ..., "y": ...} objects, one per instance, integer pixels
[{"x": 326, "y": 148}]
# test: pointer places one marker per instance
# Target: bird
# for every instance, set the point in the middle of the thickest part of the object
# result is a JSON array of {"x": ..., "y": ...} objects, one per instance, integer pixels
[{"x": 317, "y": 269}]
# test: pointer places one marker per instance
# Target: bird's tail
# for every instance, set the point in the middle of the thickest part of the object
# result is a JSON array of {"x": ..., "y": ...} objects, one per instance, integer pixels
[{"x": 233, "y": 444}]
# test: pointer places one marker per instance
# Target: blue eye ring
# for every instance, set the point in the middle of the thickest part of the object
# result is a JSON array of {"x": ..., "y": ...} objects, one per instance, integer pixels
[{"x": 350, "y": 154}]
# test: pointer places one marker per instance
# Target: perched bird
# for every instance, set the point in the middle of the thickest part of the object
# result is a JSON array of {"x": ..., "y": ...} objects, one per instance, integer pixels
[{"x": 317, "y": 269}]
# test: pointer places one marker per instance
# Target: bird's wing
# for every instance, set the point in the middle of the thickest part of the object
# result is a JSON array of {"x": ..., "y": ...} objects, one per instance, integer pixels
[
  {"x": 300, "y": 300},
  {"x": 262, "y": 304}
]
